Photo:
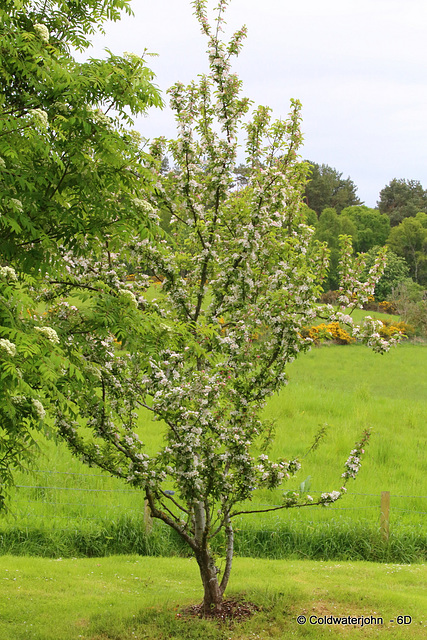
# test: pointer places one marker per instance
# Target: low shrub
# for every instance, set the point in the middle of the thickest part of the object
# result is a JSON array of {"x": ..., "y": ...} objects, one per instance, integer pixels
[
  {"x": 329, "y": 297},
  {"x": 387, "y": 306},
  {"x": 332, "y": 331},
  {"x": 410, "y": 300},
  {"x": 391, "y": 328},
  {"x": 371, "y": 304}
]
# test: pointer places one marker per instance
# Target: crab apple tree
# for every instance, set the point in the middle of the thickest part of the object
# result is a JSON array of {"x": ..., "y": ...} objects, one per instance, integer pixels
[{"x": 240, "y": 276}]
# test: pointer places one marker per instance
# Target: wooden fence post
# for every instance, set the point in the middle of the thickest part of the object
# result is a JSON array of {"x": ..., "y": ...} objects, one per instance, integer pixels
[{"x": 385, "y": 515}]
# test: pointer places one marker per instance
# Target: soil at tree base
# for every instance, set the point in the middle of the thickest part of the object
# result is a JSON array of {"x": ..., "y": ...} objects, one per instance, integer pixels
[{"x": 232, "y": 610}]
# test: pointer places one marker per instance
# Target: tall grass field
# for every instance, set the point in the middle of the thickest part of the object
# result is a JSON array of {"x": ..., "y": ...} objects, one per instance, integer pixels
[{"x": 68, "y": 509}]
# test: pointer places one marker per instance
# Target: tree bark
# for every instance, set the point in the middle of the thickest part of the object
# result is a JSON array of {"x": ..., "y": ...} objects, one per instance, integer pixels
[
  {"x": 229, "y": 554},
  {"x": 212, "y": 600}
]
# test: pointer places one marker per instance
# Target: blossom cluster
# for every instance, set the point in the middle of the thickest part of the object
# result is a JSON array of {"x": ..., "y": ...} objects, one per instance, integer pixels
[
  {"x": 42, "y": 31},
  {"x": 329, "y": 498},
  {"x": 129, "y": 295},
  {"x": 99, "y": 117},
  {"x": 8, "y": 347},
  {"x": 354, "y": 291},
  {"x": 370, "y": 333},
  {"x": 352, "y": 464},
  {"x": 38, "y": 408},
  {"x": 40, "y": 117},
  {"x": 354, "y": 461},
  {"x": 50, "y": 334},
  {"x": 8, "y": 273}
]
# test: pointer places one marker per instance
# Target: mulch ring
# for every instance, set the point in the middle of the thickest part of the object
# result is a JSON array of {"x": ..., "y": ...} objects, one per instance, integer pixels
[{"x": 231, "y": 611}]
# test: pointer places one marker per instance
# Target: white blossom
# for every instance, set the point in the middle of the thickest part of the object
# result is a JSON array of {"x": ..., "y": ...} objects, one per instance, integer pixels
[
  {"x": 40, "y": 117},
  {"x": 38, "y": 408},
  {"x": 328, "y": 498},
  {"x": 16, "y": 205},
  {"x": 8, "y": 347},
  {"x": 99, "y": 117},
  {"x": 129, "y": 295},
  {"x": 50, "y": 334},
  {"x": 8, "y": 273},
  {"x": 42, "y": 31}
]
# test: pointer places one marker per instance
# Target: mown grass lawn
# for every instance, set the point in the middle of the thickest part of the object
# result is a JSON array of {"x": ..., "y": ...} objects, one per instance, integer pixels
[{"x": 131, "y": 597}]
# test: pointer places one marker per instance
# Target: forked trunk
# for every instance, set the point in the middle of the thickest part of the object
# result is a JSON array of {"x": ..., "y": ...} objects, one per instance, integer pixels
[
  {"x": 212, "y": 599},
  {"x": 213, "y": 590}
]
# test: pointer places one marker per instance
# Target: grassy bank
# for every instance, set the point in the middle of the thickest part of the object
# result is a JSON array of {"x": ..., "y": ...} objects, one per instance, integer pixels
[
  {"x": 336, "y": 540},
  {"x": 127, "y": 597}
]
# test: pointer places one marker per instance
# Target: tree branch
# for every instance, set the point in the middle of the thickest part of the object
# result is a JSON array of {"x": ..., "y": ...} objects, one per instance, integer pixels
[
  {"x": 284, "y": 506},
  {"x": 229, "y": 554},
  {"x": 156, "y": 513}
]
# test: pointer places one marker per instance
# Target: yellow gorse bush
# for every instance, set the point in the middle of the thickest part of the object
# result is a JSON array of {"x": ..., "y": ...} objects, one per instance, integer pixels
[
  {"x": 332, "y": 331},
  {"x": 392, "y": 328},
  {"x": 339, "y": 334},
  {"x": 387, "y": 307}
]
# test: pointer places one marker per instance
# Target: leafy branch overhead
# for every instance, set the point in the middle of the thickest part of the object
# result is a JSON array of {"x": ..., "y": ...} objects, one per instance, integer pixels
[
  {"x": 70, "y": 176},
  {"x": 69, "y": 169}
]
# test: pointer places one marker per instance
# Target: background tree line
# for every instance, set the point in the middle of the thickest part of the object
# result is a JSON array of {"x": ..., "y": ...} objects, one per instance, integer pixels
[{"x": 399, "y": 221}]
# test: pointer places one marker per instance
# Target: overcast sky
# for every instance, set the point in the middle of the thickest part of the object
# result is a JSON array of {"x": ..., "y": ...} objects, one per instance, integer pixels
[{"x": 358, "y": 67}]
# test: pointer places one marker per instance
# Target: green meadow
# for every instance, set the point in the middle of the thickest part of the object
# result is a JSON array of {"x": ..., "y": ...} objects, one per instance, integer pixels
[{"x": 69, "y": 509}]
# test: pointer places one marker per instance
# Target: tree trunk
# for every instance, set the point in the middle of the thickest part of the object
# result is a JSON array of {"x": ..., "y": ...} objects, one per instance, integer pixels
[
  {"x": 213, "y": 590},
  {"x": 212, "y": 600},
  {"x": 208, "y": 571}
]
